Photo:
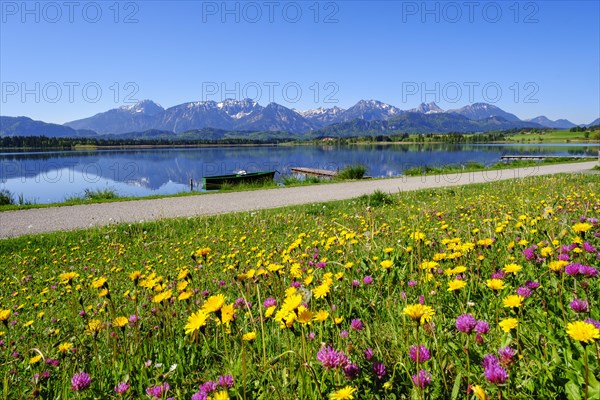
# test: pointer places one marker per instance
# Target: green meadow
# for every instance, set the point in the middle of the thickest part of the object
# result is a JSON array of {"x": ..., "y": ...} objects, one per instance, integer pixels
[{"x": 475, "y": 292}]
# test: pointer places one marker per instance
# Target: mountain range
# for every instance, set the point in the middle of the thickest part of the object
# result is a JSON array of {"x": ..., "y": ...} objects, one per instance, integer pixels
[{"x": 248, "y": 116}]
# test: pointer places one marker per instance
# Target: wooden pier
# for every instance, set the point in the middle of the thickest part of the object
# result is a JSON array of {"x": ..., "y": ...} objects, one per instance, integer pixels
[
  {"x": 323, "y": 173},
  {"x": 539, "y": 157}
]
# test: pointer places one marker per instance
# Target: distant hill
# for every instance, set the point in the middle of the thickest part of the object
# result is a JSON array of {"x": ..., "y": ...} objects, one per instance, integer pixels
[
  {"x": 416, "y": 122},
  {"x": 558, "y": 124},
  {"x": 24, "y": 126}
]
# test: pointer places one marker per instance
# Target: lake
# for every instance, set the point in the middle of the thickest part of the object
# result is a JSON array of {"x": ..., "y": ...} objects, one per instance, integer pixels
[{"x": 51, "y": 176}]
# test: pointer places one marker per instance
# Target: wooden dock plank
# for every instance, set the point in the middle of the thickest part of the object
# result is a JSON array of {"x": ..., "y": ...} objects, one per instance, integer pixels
[
  {"x": 314, "y": 172},
  {"x": 540, "y": 157}
]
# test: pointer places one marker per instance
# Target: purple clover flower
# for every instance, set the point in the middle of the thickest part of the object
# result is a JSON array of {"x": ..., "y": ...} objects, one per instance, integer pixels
[
  {"x": 506, "y": 354},
  {"x": 482, "y": 327},
  {"x": 419, "y": 353},
  {"x": 208, "y": 386},
  {"x": 465, "y": 323},
  {"x": 532, "y": 285},
  {"x": 422, "y": 379},
  {"x": 356, "y": 325},
  {"x": 573, "y": 269},
  {"x": 200, "y": 396},
  {"x": 498, "y": 274},
  {"x": 524, "y": 292},
  {"x": 579, "y": 306},
  {"x": 80, "y": 381},
  {"x": 593, "y": 322},
  {"x": 331, "y": 358},
  {"x": 121, "y": 388},
  {"x": 493, "y": 371},
  {"x": 269, "y": 302},
  {"x": 351, "y": 371},
  {"x": 226, "y": 381},
  {"x": 380, "y": 370},
  {"x": 588, "y": 247},
  {"x": 157, "y": 392}
]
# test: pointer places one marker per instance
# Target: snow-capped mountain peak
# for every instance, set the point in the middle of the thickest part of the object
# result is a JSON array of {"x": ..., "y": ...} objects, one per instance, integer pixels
[
  {"x": 147, "y": 107},
  {"x": 429, "y": 108}
]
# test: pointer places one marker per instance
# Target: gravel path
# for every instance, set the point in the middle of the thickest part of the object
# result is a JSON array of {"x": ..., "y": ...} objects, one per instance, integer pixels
[{"x": 34, "y": 221}]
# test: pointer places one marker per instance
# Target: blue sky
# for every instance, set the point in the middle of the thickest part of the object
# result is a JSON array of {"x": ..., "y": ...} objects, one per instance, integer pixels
[{"x": 61, "y": 62}]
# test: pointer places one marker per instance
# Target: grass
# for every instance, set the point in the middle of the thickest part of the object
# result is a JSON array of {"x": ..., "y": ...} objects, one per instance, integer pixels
[
  {"x": 558, "y": 136},
  {"x": 6, "y": 198},
  {"x": 344, "y": 280},
  {"x": 474, "y": 166},
  {"x": 288, "y": 180},
  {"x": 351, "y": 172}
]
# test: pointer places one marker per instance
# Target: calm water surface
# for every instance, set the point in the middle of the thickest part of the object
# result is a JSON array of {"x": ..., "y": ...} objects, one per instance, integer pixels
[{"x": 45, "y": 177}]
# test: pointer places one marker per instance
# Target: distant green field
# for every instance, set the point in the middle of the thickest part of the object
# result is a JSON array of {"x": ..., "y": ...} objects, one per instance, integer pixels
[{"x": 553, "y": 136}]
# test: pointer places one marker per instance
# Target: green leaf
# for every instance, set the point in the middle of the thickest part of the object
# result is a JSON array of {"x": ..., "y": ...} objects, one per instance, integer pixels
[
  {"x": 594, "y": 387},
  {"x": 572, "y": 390},
  {"x": 456, "y": 386}
]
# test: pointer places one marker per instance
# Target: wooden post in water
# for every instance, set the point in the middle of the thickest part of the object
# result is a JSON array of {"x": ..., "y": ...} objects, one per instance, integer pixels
[{"x": 191, "y": 185}]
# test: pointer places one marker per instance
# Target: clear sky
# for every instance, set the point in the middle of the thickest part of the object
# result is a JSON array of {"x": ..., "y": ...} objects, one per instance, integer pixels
[{"x": 61, "y": 61}]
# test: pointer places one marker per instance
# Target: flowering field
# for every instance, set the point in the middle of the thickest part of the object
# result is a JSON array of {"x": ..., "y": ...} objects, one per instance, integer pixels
[{"x": 487, "y": 291}]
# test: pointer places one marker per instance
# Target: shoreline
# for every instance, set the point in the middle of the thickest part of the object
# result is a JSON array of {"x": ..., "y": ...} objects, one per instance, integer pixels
[{"x": 50, "y": 219}]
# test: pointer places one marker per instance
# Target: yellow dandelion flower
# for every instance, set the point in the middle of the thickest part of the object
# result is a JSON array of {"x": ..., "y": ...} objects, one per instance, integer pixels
[
  {"x": 183, "y": 274},
  {"x": 495, "y": 284},
  {"x": 419, "y": 312},
  {"x": 512, "y": 268},
  {"x": 269, "y": 311},
  {"x": 214, "y": 303},
  {"x": 321, "y": 315},
  {"x": 581, "y": 227},
  {"x": 67, "y": 277},
  {"x": 120, "y": 322},
  {"x": 248, "y": 337},
  {"x": 103, "y": 293},
  {"x": 429, "y": 265},
  {"x": 166, "y": 295},
  {"x": 196, "y": 321},
  {"x": 222, "y": 395},
  {"x": 338, "y": 320},
  {"x": 135, "y": 275},
  {"x": 305, "y": 316},
  {"x": 558, "y": 265},
  {"x": 227, "y": 313},
  {"x": 456, "y": 284},
  {"x": 98, "y": 283},
  {"x": 478, "y": 392},
  {"x": 292, "y": 302},
  {"x": 65, "y": 347},
  {"x": 94, "y": 327},
  {"x": 583, "y": 331},
  {"x": 182, "y": 285},
  {"x": 35, "y": 359},
  {"x": 459, "y": 270},
  {"x": 386, "y": 264},
  {"x": 5, "y": 315},
  {"x": 185, "y": 295},
  {"x": 514, "y": 300},
  {"x": 508, "y": 324},
  {"x": 345, "y": 393},
  {"x": 321, "y": 291},
  {"x": 28, "y": 323},
  {"x": 290, "y": 291},
  {"x": 416, "y": 236}
]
